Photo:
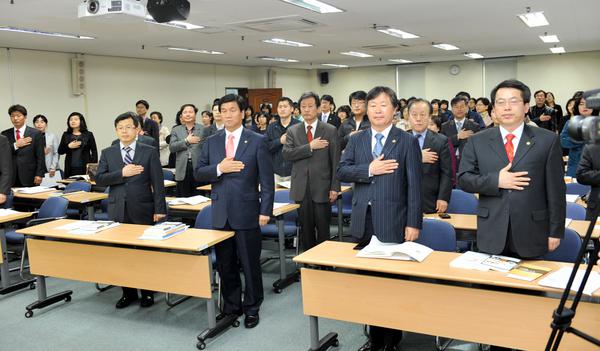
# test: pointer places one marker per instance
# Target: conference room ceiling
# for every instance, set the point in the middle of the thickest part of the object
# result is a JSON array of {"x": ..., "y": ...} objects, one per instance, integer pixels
[{"x": 237, "y": 28}]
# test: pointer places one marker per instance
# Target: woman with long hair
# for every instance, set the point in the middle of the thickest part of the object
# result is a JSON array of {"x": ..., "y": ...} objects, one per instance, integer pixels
[{"x": 78, "y": 144}]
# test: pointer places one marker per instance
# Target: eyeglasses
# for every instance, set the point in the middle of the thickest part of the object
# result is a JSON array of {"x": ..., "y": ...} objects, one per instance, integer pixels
[
  {"x": 125, "y": 128},
  {"x": 512, "y": 102}
]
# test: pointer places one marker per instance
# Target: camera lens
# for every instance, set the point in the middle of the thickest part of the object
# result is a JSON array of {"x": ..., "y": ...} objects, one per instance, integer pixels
[{"x": 93, "y": 6}]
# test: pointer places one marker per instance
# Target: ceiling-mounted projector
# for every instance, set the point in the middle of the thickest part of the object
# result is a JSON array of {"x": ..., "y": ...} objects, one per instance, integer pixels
[
  {"x": 108, "y": 8},
  {"x": 169, "y": 10}
]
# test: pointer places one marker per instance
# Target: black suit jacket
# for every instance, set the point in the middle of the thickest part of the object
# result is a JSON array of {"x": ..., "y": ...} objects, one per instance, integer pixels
[
  {"x": 89, "y": 151},
  {"x": 449, "y": 130},
  {"x": 144, "y": 193},
  {"x": 437, "y": 177},
  {"x": 332, "y": 119},
  {"x": 6, "y": 178},
  {"x": 535, "y": 213},
  {"x": 29, "y": 161},
  {"x": 348, "y": 127},
  {"x": 588, "y": 173},
  {"x": 151, "y": 129}
]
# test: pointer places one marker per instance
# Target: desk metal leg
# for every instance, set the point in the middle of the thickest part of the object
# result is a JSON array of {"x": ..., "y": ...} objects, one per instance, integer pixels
[
  {"x": 284, "y": 280},
  {"x": 316, "y": 344},
  {"x": 215, "y": 327},
  {"x": 91, "y": 213},
  {"x": 43, "y": 298},
  {"x": 7, "y": 287},
  {"x": 339, "y": 205}
]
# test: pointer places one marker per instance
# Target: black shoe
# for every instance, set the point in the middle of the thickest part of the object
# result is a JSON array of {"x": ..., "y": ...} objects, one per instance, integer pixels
[
  {"x": 125, "y": 301},
  {"x": 366, "y": 347},
  {"x": 147, "y": 301},
  {"x": 251, "y": 320},
  {"x": 225, "y": 314}
]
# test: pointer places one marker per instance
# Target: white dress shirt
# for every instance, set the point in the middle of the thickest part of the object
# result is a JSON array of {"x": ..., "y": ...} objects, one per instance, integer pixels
[
  {"x": 324, "y": 117},
  {"x": 517, "y": 133},
  {"x": 237, "y": 135},
  {"x": 131, "y": 153}
]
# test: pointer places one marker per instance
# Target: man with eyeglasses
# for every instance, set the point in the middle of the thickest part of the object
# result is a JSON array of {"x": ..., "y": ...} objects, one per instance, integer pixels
[
  {"x": 459, "y": 129},
  {"x": 358, "y": 121}
]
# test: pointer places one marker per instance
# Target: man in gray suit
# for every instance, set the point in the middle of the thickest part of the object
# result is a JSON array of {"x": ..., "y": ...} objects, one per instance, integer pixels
[
  {"x": 137, "y": 194},
  {"x": 384, "y": 162},
  {"x": 518, "y": 172},
  {"x": 186, "y": 142},
  {"x": 313, "y": 148},
  {"x": 5, "y": 169}
]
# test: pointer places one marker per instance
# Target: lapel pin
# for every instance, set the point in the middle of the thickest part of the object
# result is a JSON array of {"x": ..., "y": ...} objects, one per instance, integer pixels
[
  {"x": 528, "y": 143},
  {"x": 245, "y": 141},
  {"x": 393, "y": 140}
]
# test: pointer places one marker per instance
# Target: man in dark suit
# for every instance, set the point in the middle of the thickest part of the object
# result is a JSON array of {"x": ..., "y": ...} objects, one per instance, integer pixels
[
  {"x": 387, "y": 198},
  {"x": 5, "y": 169},
  {"x": 459, "y": 129},
  {"x": 148, "y": 126},
  {"x": 541, "y": 114},
  {"x": 236, "y": 161},
  {"x": 141, "y": 137},
  {"x": 358, "y": 121},
  {"x": 137, "y": 194},
  {"x": 436, "y": 184},
  {"x": 588, "y": 173},
  {"x": 27, "y": 148},
  {"x": 313, "y": 149},
  {"x": 518, "y": 172},
  {"x": 328, "y": 116}
]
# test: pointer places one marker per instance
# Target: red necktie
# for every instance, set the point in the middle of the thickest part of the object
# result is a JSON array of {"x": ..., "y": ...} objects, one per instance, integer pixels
[
  {"x": 510, "y": 149},
  {"x": 309, "y": 135},
  {"x": 18, "y": 134}
]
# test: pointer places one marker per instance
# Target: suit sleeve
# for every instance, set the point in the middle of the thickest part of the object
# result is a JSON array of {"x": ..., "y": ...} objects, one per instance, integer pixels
[
  {"x": 5, "y": 167},
  {"x": 40, "y": 156},
  {"x": 55, "y": 157},
  {"x": 205, "y": 172},
  {"x": 105, "y": 177},
  {"x": 452, "y": 137},
  {"x": 586, "y": 174},
  {"x": 413, "y": 177},
  {"x": 266, "y": 178},
  {"x": 469, "y": 177},
  {"x": 93, "y": 148},
  {"x": 63, "y": 147},
  {"x": 334, "y": 158},
  {"x": 294, "y": 152},
  {"x": 273, "y": 141},
  {"x": 348, "y": 170},
  {"x": 177, "y": 144},
  {"x": 445, "y": 190},
  {"x": 556, "y": 190},
  {"x": 158, "y": 184}
]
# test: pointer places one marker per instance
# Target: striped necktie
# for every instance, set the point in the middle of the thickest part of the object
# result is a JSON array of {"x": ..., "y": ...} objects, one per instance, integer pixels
[{"x": 127, "y": 159}]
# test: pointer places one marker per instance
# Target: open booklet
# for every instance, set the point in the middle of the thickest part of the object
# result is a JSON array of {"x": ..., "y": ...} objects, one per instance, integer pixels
[
  {"x": 164, "y": 230},
  {"x": 484, "y": 262},
  {"x": 407, "y": 251},
  {"x": 560, "y": 278},
  {"x": 88, "y": 227},
  {"x": 193, "y": 200}
]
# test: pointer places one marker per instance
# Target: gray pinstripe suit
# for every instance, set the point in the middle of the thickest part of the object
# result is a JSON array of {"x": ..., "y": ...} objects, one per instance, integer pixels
[{"x": 395, "y": 198}]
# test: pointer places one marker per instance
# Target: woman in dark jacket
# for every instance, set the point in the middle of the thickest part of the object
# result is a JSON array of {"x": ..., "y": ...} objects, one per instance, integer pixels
[{"x": 78, "y": 144}]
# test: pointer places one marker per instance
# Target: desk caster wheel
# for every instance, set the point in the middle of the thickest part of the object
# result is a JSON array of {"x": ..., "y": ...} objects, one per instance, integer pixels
[
  {"x": 235, "y": 324},
  {"x": 200, "y": 345},
  {"x": 29, "y": 314},
  {"x": 68, "y": 298},
  {"x": 32, "y": 286},
  {"x": 277, "y": 290}
]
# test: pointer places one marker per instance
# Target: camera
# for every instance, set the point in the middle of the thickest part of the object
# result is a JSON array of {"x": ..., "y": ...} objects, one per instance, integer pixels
[
  {"x": 93, "y": 6},
  {"x": 587, "y": 129}
]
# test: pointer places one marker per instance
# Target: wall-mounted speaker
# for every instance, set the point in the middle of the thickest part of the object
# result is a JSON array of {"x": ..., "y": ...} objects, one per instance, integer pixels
[
  {"x": 77, "y": 76},
  {"x": 324, "y": 77}
]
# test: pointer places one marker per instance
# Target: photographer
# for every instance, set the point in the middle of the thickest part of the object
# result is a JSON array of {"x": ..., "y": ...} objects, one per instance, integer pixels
[
  {"x": 588, "y": 173},
  {"x": 575, "y": 147}
]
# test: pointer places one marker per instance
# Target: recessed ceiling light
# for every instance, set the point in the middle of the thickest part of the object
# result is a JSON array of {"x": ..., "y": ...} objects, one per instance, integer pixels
[
  {"x": 558, "y": 50},
  {"x": 48, "y": 34},
  {"x": 400, "y": 60},
  {"x": 199, "y": 51},
  {"x": 549, "y": 38},
  {"x": 534, "y": 19},
  {"x": 174, "y": 24},
  {"x": 278, "y": 59},
  {"x": 314, "y": 5},
  {"x": 473, "y": 55},
  {"x": 445, "y": 46},
  {"x": 356, "y": 54},
  {"x": 279, "y": 41},
  {"x": 397, "y": 33},
  {"x": 334, "y": 65}
]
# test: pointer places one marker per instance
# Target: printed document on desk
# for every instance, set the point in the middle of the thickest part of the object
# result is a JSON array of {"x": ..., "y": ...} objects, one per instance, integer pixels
[
  {"x": 33, "y": 190},
  {"x": 163, "y": 230},
  {"x": 560, "y": 278},
  {"x": 7, "y": 212},
  {"x": 88, "y": 227},
  {"x": 407, "y": 251},
  {"x": 193, "y": 200}
]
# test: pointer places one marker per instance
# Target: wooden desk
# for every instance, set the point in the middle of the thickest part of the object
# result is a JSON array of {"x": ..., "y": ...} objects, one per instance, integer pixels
[
  {"x": 432, "y": 302},
  {"x": 78, "y": 199},
  {"x": 168, "y": 183},
  {"x": 7, "y": 287},
  {"x": 117, "y": 256},
  {"x": 469, "y": 222}
]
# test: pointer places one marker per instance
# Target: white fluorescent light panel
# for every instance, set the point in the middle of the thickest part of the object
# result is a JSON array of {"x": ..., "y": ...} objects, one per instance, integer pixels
[
  {"x": 473, "y": 55},
  {"x": 549, "y": 38},
  {"x": 199, "y": 51},
  {"x": 534, "y": 19},
  {"x": 48, "y": 34},
  {"x": 445, "y": 46},
  {"x": 397, "y": 33},
  {"x": 400, "y": 60},
  {"x": 356, "y": 54},
  {"x": 558, "y": 50},
  {"x": 314, "y": 5},
  {"x": 278, "y": 59},
  {"x": 334, "y": 65},
  {"x": 279, "y": 41}
]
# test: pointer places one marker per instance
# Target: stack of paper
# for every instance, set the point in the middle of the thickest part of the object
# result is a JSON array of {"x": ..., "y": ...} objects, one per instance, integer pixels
[
  {"x": 277, "y": 205},
  {"x": 407, "y": 251},
  {"x": 7, "y": 212},
  {"x": 83, "y": 177},
  {"x": 169, "y": 183},
  {"x": 572, "y": 197},
  {"x": 88, "y": 227},
  {"x": 560, "y": 278},
  {"x": 484, "y": 262},
  {"x": 33, "y": 190},
  {"x": 501, "y": 263},
  {"x": 163, "y": 230},
  {"x": 287, "y": 184},
  {"x": 528, "y": 272},
  {"x": 193, "y": 200}
]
